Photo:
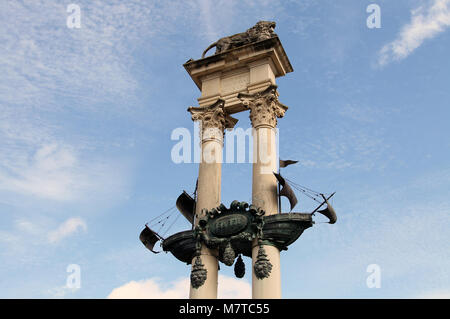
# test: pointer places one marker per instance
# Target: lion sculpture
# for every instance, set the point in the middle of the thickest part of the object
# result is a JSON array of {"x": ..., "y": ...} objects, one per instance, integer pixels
[{"x": 260, "y": 31}]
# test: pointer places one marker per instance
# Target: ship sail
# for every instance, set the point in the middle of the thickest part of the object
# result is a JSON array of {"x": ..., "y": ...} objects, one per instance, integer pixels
[
  {"x": 328, "y": 211},
  {"x": 186, "y": 205},
  {"x": 286, "y": 191},
  {"x": 149, "y": 238},
  {"x": 285, "y": 163}
]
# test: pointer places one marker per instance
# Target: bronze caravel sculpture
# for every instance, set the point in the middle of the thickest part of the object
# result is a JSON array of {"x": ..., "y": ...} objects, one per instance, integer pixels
[{"x": 260, "y": 31}]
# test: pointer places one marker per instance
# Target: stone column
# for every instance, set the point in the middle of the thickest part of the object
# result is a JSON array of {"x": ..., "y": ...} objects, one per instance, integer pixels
[
  {"x": 213, "y": 121},
  {"x": 264, "y": 111}
]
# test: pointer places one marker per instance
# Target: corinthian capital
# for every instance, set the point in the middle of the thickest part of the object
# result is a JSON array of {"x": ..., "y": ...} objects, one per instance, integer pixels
[
  {"x": 213, "y": 119},
  {"x": 264, "y": 107}
]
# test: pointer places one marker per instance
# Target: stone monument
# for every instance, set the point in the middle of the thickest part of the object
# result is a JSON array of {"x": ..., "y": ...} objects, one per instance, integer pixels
[{"x": 240, "y": 76}]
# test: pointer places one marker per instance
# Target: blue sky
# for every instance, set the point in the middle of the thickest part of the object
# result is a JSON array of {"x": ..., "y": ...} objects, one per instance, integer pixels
[{"x": 86, "y": 117}]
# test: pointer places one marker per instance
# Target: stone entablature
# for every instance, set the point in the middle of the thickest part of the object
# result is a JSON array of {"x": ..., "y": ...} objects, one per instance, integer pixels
[{"x": 246, "y": 69}]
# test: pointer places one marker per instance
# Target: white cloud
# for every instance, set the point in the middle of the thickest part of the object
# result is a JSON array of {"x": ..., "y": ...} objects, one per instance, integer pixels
[
  {"x": 342, "y": 145},
  {"x": 59, "y": 172},
  {"x": 48, "y": 173},
  {"x": 67, "y": 228},
  {"x": 425, "y": 23},
  {"x": 232, "y": 288},
  {"x": 229, "y": 288},
  {"x": 54, "y": 77},
  {"x": 49, "y": 70},
  {"x": 42, "y": 57},
  {"x": 151, "y": 289}
]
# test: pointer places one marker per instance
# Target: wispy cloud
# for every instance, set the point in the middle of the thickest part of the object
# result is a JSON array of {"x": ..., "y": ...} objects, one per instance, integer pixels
[
  {"x": 229, "y": 288},
  {"x": 51, "y": 73},
  {"x": 42, "y": 58},
  {"x": 47, "y": 173},
  {"x": 48, "y": 72},
  {"x": 360, "y": 113},
  {"x": 238, "y": 16},
  {"x": 207, "y": 18},
  {"x": 39, "y": 231},
  {"x": 66, "y": 229},
  {"x": 393, "y": 236},
  {"x": 30, "y": 240},
  {"x": 55, "y": 172},
  {"x": 351, "y": 137},
  {"x": 426, "y": 23}
]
